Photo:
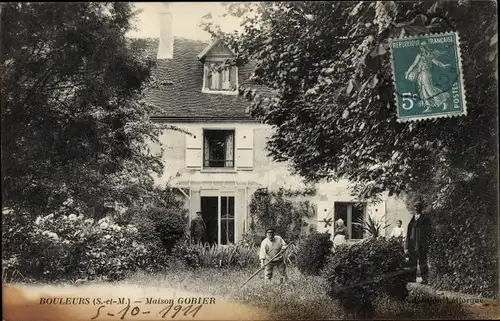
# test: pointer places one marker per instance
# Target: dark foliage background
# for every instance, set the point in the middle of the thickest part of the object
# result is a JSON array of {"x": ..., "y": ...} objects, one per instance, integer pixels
[
  {"x": 313, "y": 253},
  {"x": 332, "y": 105},
  {"x": 75, "y": 124}
]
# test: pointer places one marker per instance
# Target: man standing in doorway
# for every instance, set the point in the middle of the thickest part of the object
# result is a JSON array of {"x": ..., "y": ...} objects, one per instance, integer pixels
[
  {"x": 198, "y": 227},
  {"x": 417, "y": 241},
  {"x": 270, "y": 247}
]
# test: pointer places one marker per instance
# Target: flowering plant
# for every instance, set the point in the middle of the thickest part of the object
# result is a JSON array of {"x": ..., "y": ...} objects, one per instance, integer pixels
[{"x": 55, "y": 247}]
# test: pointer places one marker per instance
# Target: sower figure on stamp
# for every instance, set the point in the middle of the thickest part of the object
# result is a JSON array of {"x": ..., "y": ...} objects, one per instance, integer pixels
[
  {"x": 417, "y": 241},
  {"x": 270, "y": 247},
  {"x": 198, "y": 227}
]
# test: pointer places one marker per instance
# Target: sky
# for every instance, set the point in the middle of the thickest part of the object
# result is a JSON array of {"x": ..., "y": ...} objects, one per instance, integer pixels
[{"x": 185, "y": 15}]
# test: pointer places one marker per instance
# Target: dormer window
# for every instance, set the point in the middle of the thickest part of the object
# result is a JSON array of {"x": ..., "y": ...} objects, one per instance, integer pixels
[{"x": 219, "y": 79}]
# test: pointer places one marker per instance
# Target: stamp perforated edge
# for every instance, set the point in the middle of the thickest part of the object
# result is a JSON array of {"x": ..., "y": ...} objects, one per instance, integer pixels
[{"x": 461, "y": 78}]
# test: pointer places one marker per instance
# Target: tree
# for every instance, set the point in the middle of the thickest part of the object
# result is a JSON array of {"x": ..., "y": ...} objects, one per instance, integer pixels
[
  {"x": 334, "y": 114},
  {"x": 329, "y": 64},
  {"x": 75, "y": 124}
]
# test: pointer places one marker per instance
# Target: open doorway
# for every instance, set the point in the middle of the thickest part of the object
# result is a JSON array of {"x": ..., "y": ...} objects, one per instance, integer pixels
[
  {"x": 351, "y": 213},
  {"x": 210, "y": 214}
]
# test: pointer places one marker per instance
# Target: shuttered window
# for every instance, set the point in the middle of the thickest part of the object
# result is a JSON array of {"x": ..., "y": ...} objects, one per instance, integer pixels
[
  {"x": 218, "y": 149},
  {"x": 194, "y": 148},
  {"x": 244, "y": 148}
]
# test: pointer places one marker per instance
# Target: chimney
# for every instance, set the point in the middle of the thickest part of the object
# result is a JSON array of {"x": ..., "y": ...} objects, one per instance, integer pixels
[{"x": 166, "y": 43}]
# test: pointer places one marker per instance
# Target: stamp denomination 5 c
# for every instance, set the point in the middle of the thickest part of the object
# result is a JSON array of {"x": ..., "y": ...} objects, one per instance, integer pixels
[{"x": 428, "y": 76}]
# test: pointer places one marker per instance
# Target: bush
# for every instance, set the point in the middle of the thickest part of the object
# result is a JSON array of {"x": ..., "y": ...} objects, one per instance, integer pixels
[
  {"x": 477, "y": 238},
  {"x": 165, "y": 225},
  {"x": 464, "y": 216},
  {"x": 359, "y": 273},
  {"x": 313, "y": 253},
  {"x": 187, "y": 253},
  {"x": 273, "y": 209},
  {"x": 74, "y": 247}
]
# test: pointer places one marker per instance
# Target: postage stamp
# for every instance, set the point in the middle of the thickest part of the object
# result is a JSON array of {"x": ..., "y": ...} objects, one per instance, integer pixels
[
  {"x": 428, "y": 76},
  {"x": 138, "y": 186}
]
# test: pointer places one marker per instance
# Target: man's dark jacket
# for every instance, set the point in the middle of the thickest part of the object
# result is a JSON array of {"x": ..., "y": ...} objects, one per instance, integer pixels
[
  {"x": 418, "y": 233},
  {"x": 198, "y": 227}
]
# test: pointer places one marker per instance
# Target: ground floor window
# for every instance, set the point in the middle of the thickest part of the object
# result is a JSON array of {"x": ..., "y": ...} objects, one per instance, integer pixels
[
  {"x": 351, "y": 213},
  {"x": 219, "y": 216},
  {"x": 227, "y": 220}
]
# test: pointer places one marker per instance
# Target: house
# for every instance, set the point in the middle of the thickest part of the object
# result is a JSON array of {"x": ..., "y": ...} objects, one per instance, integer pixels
[{"x": 222, "y": 162}]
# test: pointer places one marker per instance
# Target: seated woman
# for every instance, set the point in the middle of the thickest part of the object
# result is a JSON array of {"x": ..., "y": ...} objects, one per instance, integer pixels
[{"x": 340, "y": 235}]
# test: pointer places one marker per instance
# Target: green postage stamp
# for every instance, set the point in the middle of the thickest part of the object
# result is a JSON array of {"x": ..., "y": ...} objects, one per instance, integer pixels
[{"x": 428, "y": 76}]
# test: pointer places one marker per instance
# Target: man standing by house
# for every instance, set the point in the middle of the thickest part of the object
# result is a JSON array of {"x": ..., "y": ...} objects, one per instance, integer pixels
[
  {"x": 417, "y": 241},
  {"x": 270, "y": 247},
  {"x": 198, "y": 227}
]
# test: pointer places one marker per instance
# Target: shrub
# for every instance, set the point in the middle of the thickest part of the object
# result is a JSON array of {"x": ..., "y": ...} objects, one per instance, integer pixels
[
  {"x": 15, "y": 246},
  {"x": 250, "y": 239},
  {"x": 476, "y": 236},
  {"x": 313, "y": 253},
  {"x": 273, "y": 209},
  {"x": 42, "y": 253},
  {"x": 464, "y": 216},
  {"x": 165, "y": 225},
  {"x": 187, "y": 253},
  {"x": 57, "y": 247},
  {"x": 358, "y": 273}
]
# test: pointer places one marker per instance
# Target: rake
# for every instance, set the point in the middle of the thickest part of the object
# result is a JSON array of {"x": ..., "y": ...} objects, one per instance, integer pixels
[{"x": 263, "y": 266}]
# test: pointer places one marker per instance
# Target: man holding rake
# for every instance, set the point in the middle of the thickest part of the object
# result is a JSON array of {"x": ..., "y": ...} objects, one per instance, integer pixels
[{"x": 270, "y": 247}]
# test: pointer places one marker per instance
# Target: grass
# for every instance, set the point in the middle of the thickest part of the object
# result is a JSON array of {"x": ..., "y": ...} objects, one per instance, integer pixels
[
  {"x": 303, "y": 297},
  {"x": 299, "y": 298}
]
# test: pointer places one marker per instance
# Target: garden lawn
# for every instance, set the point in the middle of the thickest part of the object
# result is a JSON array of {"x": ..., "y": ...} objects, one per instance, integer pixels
[{"x": 305, "y": 297}]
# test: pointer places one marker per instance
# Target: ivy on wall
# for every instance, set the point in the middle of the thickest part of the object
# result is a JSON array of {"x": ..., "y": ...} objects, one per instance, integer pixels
[{"x": 273, "y": 209}]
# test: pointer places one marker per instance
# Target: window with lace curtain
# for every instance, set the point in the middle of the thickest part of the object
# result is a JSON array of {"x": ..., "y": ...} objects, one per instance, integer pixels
[
  {"x": 218, "y": 148},
  {"x": 220, "y": 79}
]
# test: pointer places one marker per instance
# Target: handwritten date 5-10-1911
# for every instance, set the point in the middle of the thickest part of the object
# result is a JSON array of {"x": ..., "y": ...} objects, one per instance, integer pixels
[{"x": 171, "y": 311}]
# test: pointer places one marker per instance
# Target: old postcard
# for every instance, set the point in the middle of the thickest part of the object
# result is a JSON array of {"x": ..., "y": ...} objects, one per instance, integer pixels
[{"x": 323, "y": 160}]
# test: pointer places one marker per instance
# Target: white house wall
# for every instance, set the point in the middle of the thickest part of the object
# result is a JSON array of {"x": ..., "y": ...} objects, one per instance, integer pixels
[
  {"x": 181, "y": 165},
  {"x": 176, "y": 155}
]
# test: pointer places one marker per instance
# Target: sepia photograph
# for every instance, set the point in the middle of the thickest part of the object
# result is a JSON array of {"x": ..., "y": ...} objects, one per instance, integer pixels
[{"x": 287, "y": 160}]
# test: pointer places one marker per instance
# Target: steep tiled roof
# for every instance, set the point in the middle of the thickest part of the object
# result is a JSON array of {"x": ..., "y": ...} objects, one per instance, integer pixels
[{"x": 182, "y": 98}]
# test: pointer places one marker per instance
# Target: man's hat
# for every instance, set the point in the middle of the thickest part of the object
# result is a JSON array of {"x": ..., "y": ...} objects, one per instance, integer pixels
[
  {"x": 270, "y": 230},
  {"x": 418, "y": 205}
]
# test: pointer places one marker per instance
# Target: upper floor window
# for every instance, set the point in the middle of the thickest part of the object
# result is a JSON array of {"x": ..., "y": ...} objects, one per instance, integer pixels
[
  {"x": 218, "y": 79},
  {"x": 218, "y": 149}
]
